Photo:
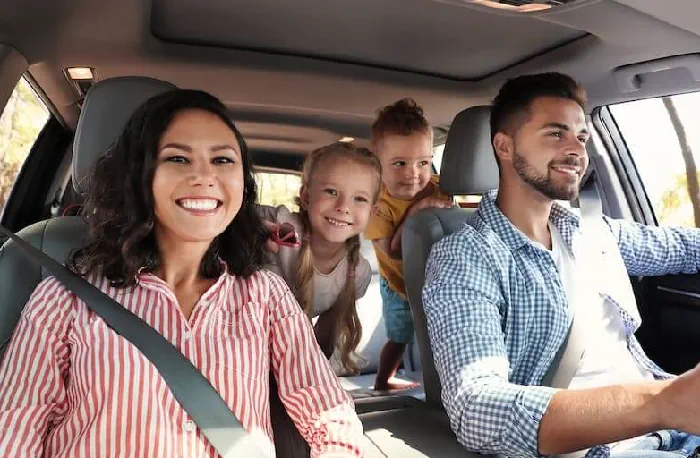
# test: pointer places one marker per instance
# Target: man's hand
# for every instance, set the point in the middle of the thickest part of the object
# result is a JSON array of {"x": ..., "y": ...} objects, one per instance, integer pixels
[
  {"x": 679, "y": 403},
  {"x": 578, "y": 419}
]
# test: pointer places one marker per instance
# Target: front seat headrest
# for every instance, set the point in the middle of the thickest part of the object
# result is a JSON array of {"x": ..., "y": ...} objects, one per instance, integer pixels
[
  {"x": 107, "y": 107},
  {"x": 468, "y": 163}
]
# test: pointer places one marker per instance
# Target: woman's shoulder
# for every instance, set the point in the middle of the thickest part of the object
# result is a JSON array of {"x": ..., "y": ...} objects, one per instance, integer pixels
[
  {"x": 51, "y": 287},
  {"x": 50, "y": 299},
  {"x": 54, "y": 290}
]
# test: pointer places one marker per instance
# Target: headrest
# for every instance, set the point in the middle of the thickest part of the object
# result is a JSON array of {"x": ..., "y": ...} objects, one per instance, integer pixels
[
  {"x": 107, "y": 107},
  {"x": 468, "y": 162}
]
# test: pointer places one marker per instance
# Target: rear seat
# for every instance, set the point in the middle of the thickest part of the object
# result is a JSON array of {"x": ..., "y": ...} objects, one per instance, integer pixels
[{"x": 369, "y": 309}]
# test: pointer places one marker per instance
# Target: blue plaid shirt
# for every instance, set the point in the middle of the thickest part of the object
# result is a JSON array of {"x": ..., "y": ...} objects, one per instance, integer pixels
[{"x": 497, "y": 314}]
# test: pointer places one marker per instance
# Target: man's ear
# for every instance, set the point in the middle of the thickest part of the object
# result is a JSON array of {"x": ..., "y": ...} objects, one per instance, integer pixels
[
  {"x": 304, "y": 197},
  {"x": 503, "y": 146}
]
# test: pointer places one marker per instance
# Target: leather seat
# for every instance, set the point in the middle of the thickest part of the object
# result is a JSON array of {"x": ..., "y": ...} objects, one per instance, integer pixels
[
  {"x": 468, "y": 168},
  {"x": 107, "y": 107}
]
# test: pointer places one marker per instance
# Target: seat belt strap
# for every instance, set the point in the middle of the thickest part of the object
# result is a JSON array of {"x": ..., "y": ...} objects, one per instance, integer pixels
[
  {"x": 563, "y": 368},
  {"x": 192, "y": 390}
]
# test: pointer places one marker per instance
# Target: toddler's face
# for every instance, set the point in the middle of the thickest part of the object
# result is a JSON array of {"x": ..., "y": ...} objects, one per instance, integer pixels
[{"x": 406, "y": 163}]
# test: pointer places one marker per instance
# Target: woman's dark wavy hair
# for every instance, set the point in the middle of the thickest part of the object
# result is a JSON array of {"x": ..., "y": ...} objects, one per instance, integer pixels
[{"x": 119, "y": 207}]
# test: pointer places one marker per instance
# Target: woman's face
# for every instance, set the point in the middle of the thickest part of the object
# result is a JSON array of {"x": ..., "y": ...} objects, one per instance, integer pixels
[{"x": 198, "y": 182}]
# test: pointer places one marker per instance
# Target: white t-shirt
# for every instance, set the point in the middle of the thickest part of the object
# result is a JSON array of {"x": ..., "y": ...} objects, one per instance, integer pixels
[
  {"x": 606, "y": 359},
  {"x": 326, "y": 287}
]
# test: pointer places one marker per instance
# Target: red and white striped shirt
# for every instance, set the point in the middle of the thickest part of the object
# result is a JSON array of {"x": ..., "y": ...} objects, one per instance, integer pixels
[{"x": 72, "y": 387}]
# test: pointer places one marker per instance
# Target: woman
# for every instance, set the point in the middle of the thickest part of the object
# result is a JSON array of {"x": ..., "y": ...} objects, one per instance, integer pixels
[{"x": 173, "y": 237}]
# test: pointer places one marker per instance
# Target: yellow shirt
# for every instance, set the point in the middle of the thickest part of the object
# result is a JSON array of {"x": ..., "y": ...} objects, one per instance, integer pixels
[{"x": 383, "y": 224}]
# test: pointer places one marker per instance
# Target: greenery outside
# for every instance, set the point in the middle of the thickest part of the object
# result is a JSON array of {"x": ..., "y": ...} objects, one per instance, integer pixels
[
  {"x": 22, "y": 119},
  {"x": 278, "y": 189},
  {"x": 661, "y": 135}
]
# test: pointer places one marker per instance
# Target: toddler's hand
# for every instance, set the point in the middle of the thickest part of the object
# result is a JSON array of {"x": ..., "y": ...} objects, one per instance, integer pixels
[{"x": 430, "y": 202}]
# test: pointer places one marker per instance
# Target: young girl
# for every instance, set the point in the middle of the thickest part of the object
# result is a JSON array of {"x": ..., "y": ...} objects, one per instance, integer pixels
[
  {"x": 340, "y": 185},
  {"x": 175, "y": 238}
]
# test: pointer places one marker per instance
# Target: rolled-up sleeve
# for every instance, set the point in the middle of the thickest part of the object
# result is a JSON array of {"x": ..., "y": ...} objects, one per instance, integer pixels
[
  {"x": 654, "y": 250},
  {"x": 461, "y": 298},
  {"x": 322, "y": 411}
]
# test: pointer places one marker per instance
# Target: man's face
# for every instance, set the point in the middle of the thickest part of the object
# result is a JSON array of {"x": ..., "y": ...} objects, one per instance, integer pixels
[{"x": 548, "y": 150}]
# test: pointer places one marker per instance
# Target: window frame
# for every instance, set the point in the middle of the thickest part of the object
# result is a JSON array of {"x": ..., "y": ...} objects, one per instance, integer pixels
[{"x": 631, "y": 178}]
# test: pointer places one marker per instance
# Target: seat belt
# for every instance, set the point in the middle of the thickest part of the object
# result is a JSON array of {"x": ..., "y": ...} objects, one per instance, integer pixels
[
  {"x": 192, "y": 390},
  {"x": 563, "y": 368}
]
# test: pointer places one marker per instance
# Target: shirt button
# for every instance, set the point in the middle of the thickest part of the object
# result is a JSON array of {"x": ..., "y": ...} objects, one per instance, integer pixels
[
  {"x": 187, "y": 335},
  {"x": 189, "y": 426}
]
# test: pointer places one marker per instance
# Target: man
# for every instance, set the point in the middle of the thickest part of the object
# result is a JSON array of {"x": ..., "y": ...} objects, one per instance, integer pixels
[{"x": 501, "y": 293}]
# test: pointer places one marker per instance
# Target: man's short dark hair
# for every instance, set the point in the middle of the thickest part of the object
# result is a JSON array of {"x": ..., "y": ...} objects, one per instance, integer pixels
[{"x": 510, "y": 106}]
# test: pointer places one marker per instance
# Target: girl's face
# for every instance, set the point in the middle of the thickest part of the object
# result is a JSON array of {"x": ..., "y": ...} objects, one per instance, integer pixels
[
  {"x": 198, "y": 181},
  {"x": 339, "y": 198}
]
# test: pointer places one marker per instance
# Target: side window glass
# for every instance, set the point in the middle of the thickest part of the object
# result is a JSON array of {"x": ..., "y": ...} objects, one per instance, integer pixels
[
  {"x": 662, "y": 137},
  {"x": 437, "y": 156},
  {"x": 278, "y": 189},
  {"x": 23, "y": 117}
]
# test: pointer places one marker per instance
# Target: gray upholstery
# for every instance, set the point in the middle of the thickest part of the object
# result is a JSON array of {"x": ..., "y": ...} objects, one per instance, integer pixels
[
  {"x": 468, "y": 167},
  {"x": 19, "y": 275},
  {"x": 419, "y": 234},
  {"x": 468, "y": 163},
  {"x": 58, "y": 237},
  {"x": 106, "y": 109},
  {"x": 410, "y": 430}
]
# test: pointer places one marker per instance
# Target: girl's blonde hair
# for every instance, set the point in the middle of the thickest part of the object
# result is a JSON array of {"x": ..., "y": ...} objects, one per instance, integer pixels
[{"x": 342, "y": 316}]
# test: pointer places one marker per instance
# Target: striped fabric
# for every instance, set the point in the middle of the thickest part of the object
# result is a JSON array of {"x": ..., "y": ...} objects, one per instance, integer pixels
[{"x": 71, "y": 387}]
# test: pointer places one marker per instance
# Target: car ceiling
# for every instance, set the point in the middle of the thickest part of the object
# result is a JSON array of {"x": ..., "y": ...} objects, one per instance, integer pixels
[{"x": 297, "y": 75}]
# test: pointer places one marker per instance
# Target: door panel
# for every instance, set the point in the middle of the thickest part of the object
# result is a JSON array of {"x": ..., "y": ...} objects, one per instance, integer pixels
[{"x": 676, "y": 313}]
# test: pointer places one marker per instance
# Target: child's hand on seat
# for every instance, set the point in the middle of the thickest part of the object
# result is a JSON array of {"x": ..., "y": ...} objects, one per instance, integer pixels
[{"x": 429, "y": 202}]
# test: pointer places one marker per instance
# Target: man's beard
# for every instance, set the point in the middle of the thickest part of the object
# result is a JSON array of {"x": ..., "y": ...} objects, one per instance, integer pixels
[{"x": 544, "y": 183}]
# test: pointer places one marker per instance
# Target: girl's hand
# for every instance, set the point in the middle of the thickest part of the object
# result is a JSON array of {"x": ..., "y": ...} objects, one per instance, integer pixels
[{"x": 271, "y": 227}]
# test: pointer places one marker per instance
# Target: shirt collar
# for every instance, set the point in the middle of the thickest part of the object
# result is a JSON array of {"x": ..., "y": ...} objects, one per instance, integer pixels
[
  {"x": 151, "y": 281},
  {"x": 566, "y": 221}
]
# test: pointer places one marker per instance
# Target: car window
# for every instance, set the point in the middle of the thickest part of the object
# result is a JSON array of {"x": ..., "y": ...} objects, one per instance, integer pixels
[
  {"x": 662, "y": 137},
  {"x": 23, "y": 117},
  {"x": 437, "y": 156},
  {"x": 275, "y": 188}
]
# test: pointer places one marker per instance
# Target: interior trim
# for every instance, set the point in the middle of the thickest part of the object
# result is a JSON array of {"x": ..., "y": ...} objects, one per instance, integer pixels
[
  {"x": 679, "y": 292},
  {"x": 272, "y": 52}
]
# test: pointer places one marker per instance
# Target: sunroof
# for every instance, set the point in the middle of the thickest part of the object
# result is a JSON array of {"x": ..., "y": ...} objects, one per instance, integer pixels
[
  {"x": 425, "y": 37},
  {"x": 522, "y": 6}
]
